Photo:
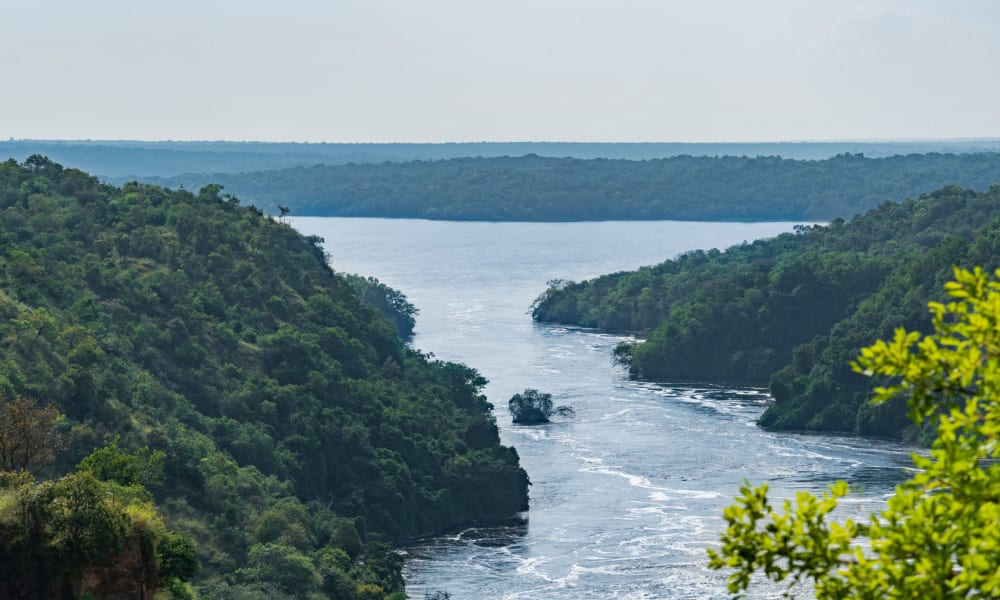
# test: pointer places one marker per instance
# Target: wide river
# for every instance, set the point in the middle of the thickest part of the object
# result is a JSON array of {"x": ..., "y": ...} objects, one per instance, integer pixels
[{"x": 626, "y": 497}]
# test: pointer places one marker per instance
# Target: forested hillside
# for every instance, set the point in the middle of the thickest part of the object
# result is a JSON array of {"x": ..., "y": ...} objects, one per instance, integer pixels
[
  {"x": 535, "y": 188},
  {"x": 793, "y": 311},
  {"x": 298, "y": 431}
]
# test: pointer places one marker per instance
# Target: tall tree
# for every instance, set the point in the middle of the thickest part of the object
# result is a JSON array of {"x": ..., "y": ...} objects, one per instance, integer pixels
[{"x": 29, "y": 439}]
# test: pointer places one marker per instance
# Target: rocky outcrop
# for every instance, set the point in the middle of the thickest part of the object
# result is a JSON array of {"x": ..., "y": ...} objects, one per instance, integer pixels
[{"x": 132, "y": 575}]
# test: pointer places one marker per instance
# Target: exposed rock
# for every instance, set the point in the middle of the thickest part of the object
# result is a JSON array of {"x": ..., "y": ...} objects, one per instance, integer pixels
[{"x": 131, "y": 576}]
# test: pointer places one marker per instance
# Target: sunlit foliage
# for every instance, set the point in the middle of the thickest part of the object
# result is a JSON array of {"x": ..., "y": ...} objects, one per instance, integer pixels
[{"x": 938, "y": 536}]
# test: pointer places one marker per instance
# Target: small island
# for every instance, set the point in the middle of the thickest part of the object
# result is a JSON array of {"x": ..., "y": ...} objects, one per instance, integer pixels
[{"x": 532, "y": 407}]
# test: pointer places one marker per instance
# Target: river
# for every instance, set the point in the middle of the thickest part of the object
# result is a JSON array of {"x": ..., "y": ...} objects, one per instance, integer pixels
[{"x": 625, "y": 497}]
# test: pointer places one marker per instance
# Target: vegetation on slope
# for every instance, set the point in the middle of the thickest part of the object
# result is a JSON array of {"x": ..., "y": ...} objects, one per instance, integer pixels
[
  {"x": 94, "y": 531},
  {"x": 393, "y": 304},
  {"x": 298, "y": 431},
  {"x": 534, "y": 188},
  {"x": 937, "y": 536},
  {"x": 794, "y": 309}
]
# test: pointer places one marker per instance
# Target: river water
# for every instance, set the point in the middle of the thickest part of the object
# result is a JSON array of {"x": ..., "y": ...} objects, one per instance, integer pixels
[{"x": 625, "y": 497}]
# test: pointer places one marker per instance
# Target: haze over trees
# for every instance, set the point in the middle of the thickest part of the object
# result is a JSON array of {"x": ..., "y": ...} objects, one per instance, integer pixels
[
  {"x": 536, "y": 188},
  {"x": 121, "y": 161},
  {"x": 791, "y": 311},
  {"x": 299, "y": 436}
]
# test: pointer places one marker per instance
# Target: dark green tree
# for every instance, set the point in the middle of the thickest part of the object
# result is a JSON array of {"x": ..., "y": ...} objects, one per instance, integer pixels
[
  {"x": 176, "y": 556},
  {"x": 532, "y": 406},
  {"x": 111, "y": 463},
  {"x": 392, "y": 303},
  {"x": 29, "y": 438}
]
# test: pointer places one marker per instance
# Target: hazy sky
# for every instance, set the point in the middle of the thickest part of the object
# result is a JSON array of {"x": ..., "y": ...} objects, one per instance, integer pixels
[{"x": 469, "y": 70}]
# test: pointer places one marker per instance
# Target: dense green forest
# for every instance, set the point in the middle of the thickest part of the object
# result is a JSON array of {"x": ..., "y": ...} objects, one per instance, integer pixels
[
  {"x": 535, "y": 188},
  {"x": 123, "y": 160},
  {"x": 793, "y": 310},
  {"x": 300, "y": 436},
  {"x": 392, "y": 303}
]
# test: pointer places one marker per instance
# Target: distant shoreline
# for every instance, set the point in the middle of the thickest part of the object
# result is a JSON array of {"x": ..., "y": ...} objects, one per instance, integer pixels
[{"x": 121, "y": 159}]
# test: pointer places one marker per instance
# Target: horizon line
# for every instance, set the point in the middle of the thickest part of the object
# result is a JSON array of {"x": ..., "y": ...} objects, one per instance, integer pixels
[{"x": 470, "y": 142}]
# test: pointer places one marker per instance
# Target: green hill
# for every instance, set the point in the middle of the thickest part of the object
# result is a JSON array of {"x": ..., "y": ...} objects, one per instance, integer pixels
[
  {"x": 536, "y": 188},
  {"x": 792, "y": 311},
  {"x": 298, "y": 430}
]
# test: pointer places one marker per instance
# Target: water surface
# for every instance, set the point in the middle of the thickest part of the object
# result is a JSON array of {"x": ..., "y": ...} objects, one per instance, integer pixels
[{"x": 626, "y": 497}]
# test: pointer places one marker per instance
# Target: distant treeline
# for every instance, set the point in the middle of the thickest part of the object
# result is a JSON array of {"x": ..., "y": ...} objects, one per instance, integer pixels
[
  {"x": 793, "y": 310},
  {"x": 535, "y": 188},
  {"x": 119, "y": 161}
]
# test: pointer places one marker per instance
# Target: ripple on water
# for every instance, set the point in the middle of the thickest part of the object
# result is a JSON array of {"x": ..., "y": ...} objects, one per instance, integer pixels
[{"x": 626, "y": 497}]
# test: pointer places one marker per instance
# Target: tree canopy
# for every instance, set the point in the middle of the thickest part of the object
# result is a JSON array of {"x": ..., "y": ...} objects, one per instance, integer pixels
[
  {"x": 532, "y": 407},
  {"x": 84, "y": 533},
  {"x": 938, "y": 536},
  {"x": 392, "y": 303},
  {"x": 218, "y": 342},
  {"x": 538, "y": 188},
  {"x": 29, "y": 438}
]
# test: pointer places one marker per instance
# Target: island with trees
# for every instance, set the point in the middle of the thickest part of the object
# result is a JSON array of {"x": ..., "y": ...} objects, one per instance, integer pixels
[
  {"x": 532, "y": 407},
  {"x": 790, "y": 312},
  {"x": 292, "y": 439}
]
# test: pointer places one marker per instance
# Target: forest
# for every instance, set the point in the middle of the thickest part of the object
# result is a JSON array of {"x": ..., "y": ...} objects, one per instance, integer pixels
[
  {"x": 791, "y": 312},
  {"x": 299, "y": 439},
  {"x": 535, "y": 188}
]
